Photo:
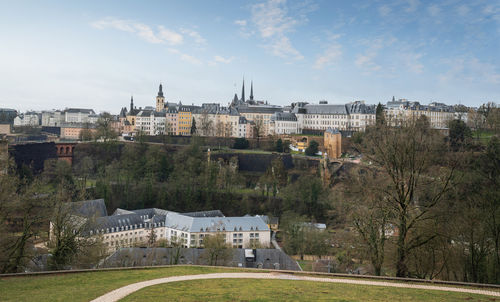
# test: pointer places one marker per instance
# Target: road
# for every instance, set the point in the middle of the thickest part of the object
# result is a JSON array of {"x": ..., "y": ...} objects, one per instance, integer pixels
[{"x": 122, "y": 292}]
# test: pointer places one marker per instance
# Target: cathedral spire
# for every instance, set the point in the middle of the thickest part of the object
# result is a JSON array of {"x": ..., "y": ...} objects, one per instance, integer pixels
[
  {"x": 251, "y": 91},
  {"x": 160, "y": 91},
  {"x": 243, "y": 91}
]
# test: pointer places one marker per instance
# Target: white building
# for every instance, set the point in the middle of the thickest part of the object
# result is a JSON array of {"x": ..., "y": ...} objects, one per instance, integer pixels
[
  {"x": 438, "y": 114},
  {"x": 29, "y": 118},
  {"x": 78, "y": 115},
  {"x": 240, "y": 232},
  {"x": 52, "y": 118},
  {"x": 284, "y": 123},
  {"x": 151, "y": 122},
  {"x": 134, "y": 228},
  {"x": 353, "y": 116}
]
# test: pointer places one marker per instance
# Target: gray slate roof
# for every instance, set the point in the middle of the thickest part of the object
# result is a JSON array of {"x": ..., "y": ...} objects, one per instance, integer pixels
[
  {"x": 259, "y": 109},
  {"x": 284, "y": 116},
  {"x": 80, "y": 110},
  {"x": 89, "y": 208},
  {"x": 205, "y": 224},
  {"x": 212, "y": 213},
  {"x": 325, "y": 109}
]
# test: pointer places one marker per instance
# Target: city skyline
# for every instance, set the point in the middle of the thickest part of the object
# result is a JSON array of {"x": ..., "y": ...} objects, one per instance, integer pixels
[{"x": 96, "y": 55}]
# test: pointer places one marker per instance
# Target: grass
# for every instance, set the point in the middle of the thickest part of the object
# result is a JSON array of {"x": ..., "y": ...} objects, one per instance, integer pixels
[
  {"x": 288, "y": 290},
  {"x": 86, "y": 286},
  {"x": 305, "y": 265},
  {"x": 484, "y": 136},
  {"x": 90, "y": 285}
]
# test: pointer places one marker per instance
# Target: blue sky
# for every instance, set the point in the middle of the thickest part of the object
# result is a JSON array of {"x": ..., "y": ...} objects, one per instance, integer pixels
[{"x": 56, "y": 54}]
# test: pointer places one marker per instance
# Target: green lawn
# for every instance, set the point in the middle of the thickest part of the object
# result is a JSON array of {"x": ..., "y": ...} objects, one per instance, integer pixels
[
  {"x": 287, "y": 290},
  {"x": 86, "y": 286}
]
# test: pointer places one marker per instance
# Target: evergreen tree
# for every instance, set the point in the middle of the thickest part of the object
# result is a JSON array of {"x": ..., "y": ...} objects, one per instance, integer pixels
[
  {"x": 379, "y": 114},
  {"x": 312, "y": 149},
  {"x": 279, "y": 145},
  {"x": 193, "y": 127}
]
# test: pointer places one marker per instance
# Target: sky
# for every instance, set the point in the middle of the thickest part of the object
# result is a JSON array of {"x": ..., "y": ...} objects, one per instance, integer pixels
[{"x": 96, "y": 54}]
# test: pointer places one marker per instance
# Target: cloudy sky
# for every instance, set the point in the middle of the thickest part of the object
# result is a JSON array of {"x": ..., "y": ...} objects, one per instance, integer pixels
[{"x": 96, "y": 54}]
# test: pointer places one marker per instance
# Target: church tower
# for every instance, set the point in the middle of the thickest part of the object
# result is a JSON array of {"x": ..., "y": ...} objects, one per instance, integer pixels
[
  {"x": 131, "y": 103},
  {"x": 243, "y": 92},
  {"x": 160, "y": 100},
  {"x": 251, "y": 91}
]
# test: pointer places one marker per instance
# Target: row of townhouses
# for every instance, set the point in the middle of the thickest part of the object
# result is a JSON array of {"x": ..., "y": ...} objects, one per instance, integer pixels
[
  {"x": 242, "y": 117},
  {"x": 438, "y": 114},
  {"x": 56, "y": 118},
  {"x": 126, "y": 228}
]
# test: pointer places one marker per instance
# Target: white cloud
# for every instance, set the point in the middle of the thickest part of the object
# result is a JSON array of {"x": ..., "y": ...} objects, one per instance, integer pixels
[
  {"x": 412, "y": 6},
  {"x": 469, "y": 70},
  {"x": 384, "y": 10},
  {"x": 434, "y": 10},
  {"x": 367, "y": 60},
  {"x": 162, "y": 35},
  {"x": 274, "y": 20},
  {"x": 463, "y": 10},
  {"x": 282, "y": 47},
  {"x": 190, "y": 59},
  {"x": 241, "y": 22},
  {"x": 329, "y": 56},
  {"x": 412, "y": 62},
  {"x": 221, "y": 59},
  {"x": 170, "y": 36},
  {"x": 194, "y": 35}
]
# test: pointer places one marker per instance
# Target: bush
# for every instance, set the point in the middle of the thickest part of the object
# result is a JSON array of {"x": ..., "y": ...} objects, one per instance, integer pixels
[{"x": 241, "y": 143}]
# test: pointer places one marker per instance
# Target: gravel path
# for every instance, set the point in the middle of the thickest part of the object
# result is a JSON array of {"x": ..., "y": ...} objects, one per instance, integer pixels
[{"x": 121, "y": 292}]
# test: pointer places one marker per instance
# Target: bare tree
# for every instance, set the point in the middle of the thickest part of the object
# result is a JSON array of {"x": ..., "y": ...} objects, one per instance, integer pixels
[
  {"x": 216, "y": 249},
  {"x": 206, "y": 126},
  {"x": 73, "y": 238},
  {"x": 104, "y": 129},
  {"x": 258, "y": 129},
  {"x": 411, "y": 157}
]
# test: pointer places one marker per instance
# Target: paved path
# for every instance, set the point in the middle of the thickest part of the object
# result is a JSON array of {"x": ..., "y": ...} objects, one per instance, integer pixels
[{"x": 120, "y": 293}]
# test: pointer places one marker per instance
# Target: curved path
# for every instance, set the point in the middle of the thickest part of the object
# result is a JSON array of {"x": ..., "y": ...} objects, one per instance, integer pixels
[{"x": 121, "y": 292}]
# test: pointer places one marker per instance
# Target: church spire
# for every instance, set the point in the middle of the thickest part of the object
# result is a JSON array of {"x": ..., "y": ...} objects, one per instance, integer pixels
[
  {"x": 131, "y": 102},
  {"x": 251, "y": 91},
  {"x": 160, "y": 92},
  {"x": 243, "y": 91}
]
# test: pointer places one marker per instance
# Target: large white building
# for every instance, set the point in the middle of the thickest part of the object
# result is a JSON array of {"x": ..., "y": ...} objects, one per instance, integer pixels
[
  {"x": 78, "y": 115},
  {"x": 355, "y": 116},
  {"x": 284, "y": 123},
  {"x": 438, "y": 114},
  {"x": 126, "y": 228}
]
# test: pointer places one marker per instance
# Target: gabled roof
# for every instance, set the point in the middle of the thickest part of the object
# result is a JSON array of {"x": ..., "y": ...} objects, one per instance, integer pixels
[{"x": 88, "y": 208}]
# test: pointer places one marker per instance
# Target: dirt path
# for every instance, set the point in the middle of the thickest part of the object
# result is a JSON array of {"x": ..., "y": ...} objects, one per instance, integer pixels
[{"x": 120, "y": 293}]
